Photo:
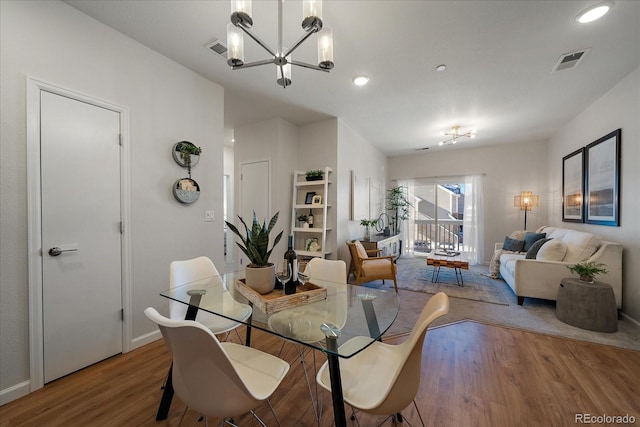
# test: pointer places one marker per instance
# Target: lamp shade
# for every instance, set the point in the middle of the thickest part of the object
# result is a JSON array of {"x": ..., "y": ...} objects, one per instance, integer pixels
[
  {"x": 311, "y": 9},
  {"x": 325, "y": 48},
  {"x": 285, "y": 80},
  {"x": 526, "y": 201},
  {"x": 235, "y": 46},
  {"x": 241, "y": 6}
]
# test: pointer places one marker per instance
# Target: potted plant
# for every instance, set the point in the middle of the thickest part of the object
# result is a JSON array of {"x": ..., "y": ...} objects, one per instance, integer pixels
[
  {"x": 187, "y": 150},
  {"x": 259, "y": 273},
  {"x": 398, "y": 207},
  {"x": 588, "y": 270},
  {"x": 368, "y": 223},
  {"x": 302, "y": 219},
  {"x": 314, "y": 175}
]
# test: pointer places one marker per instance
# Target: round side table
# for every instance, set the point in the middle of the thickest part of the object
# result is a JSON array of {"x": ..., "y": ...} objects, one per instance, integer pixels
[{"x": 589, "y": 306}]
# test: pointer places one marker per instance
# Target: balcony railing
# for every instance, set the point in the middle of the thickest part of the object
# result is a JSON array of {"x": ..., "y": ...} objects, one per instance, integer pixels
[{"x": 446, "y": 234}]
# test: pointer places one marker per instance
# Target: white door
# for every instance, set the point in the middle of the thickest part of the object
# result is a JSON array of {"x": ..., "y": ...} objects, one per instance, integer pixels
[
  {"x": 82, "y": 286},
  {"x": 254, "y": 193}
]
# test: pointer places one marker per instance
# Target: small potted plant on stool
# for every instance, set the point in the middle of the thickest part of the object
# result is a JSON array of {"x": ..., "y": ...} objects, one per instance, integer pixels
[{"x": 587, "y": 270}]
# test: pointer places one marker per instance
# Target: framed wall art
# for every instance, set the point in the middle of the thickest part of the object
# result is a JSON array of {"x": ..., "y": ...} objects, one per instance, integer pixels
[
  {"x": 602, "y": 180},
  {"x": 308, "y": 199},
  {"x": 573, "y": 186}
]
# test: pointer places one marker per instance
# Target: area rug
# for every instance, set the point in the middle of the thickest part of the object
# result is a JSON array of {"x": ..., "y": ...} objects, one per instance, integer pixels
[
  {"x": 415, "y": 275},
  {"x": 535, "y": 315}
]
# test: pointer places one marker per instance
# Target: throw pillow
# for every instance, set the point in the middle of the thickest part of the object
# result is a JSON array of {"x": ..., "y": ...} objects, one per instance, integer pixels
[
  {"x": 531, "y": 238},
  {"x": 533, "y": 250},
  {"x": 513, "y": 245},
  {"x": 553, "y": 250}
]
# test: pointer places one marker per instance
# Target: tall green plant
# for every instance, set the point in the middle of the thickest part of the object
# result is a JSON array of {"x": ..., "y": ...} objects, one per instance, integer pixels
[
  {"x": 255, "y": 243},
  {"x": 398, "y": 207}
]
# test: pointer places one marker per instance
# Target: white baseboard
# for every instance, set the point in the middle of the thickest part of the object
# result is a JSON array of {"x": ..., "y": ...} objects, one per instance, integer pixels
[
  {"x": 631, "y": 319},
  {"x": 145, "y": 339},
  {"x": 15, "y": 392}
]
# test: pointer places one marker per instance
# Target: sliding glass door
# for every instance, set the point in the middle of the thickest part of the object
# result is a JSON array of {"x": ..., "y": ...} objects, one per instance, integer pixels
[{"x": 443, "y": 211}]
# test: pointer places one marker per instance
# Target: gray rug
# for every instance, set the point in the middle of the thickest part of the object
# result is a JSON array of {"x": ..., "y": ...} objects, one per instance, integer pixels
[
  {"x": 535, "y": 315},
  {"x": 415, "y": 275}
]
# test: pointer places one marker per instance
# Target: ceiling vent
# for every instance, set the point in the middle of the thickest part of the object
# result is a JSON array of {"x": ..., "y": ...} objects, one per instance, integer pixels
[
  {"x": 218, "y": 48},
  {"x": 422, "y": 148},
  {"x": 569, "y": 60}
]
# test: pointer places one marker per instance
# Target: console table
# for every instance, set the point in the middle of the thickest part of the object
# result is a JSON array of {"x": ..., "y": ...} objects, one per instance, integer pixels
[{"x": 589, "y": 306}]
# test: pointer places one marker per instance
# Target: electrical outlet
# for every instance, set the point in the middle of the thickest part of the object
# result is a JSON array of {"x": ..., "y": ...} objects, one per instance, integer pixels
[{"x": 209, "y": 216}]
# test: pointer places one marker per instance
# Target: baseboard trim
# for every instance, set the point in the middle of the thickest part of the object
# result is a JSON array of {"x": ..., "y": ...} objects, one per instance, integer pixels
[
  {"x": 15, "y": 392},
  {"x": 145, "y": 339},
  {"x": 630, "y": 319}
]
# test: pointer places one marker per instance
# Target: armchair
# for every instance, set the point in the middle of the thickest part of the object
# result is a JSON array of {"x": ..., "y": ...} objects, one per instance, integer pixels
[{"x": 368, "y": 269}]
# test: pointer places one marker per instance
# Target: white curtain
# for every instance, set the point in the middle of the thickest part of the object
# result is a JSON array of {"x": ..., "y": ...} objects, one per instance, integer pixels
[{"x": 473, "y": 220}]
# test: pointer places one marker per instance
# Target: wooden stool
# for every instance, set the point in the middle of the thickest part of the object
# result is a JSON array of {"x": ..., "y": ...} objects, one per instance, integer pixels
[{"x": 589, "y": 306}]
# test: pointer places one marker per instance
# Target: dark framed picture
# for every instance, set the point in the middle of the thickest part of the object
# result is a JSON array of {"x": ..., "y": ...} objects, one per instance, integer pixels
[
  {"x": 309, "y": 197},
  {"x": 602, "y": 180},
  {"x": 573, "y": 186}
]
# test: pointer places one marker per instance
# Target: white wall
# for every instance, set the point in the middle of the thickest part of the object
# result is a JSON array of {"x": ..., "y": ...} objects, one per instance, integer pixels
[
  {"x": 358, "y": 155},
  {"x": 618, "y": 108},
  {"x": 508, "y": 169},
  {"x": 55, "y": 43},
  {"x": 317, "y": 148},
  {"x": 276, "y": 140}
]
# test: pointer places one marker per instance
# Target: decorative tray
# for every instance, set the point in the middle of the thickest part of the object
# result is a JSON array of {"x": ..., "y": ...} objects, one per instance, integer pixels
[{"x": 276, "y": 300}]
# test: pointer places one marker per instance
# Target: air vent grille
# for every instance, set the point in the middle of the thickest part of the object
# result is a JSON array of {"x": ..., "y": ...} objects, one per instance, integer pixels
[
  {"x": 570, "y": 60},
  {"x": 218, "y": 48}
]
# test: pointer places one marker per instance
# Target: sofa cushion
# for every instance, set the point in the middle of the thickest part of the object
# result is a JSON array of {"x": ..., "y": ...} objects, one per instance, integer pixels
[
  {"x": 555, "y": 233},
  {"x": 553, "y": 250},
  {"x": 512, "y": 245},
  {"x": 531, "y": 238},
  {"x": 580, "y": 245},
  {"x": 508, "y": 260},
  {"x": 533, "y": 250}
]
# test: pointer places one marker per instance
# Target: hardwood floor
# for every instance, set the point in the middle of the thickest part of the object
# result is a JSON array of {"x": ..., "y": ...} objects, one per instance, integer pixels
[{"x": 473, "y": 375}]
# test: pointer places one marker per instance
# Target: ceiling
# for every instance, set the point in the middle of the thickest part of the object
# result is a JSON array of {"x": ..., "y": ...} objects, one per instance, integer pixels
[{"x": 499, "y": 56}]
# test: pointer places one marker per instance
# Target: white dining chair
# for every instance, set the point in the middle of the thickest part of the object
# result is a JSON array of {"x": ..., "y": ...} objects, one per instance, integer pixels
[
  {"x": 191, "y": 270},
  {"x": 218, "y": 379},
  {"x": 321, "y": 272},
  {"x": 383, "y": 379}
]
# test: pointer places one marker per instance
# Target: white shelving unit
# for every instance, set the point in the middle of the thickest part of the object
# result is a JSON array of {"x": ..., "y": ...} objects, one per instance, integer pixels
[{"x": 301, "y": 236}]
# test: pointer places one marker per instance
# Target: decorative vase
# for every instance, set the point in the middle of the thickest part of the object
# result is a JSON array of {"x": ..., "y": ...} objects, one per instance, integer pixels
[
  {"x": 305, "y": 225},
  {"x": 586, "y": 279},
  {"x": 261, "y": 279},
  {"x": 367, "y": 233}
]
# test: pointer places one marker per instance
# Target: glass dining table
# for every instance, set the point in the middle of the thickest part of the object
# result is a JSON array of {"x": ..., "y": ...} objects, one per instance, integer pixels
[{"x": 346, "y": 312}]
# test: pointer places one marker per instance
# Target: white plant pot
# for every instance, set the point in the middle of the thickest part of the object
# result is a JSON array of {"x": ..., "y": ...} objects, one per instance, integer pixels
[
  {"x": 261, "y": 279},
  {"x": 305, "y": 225}
]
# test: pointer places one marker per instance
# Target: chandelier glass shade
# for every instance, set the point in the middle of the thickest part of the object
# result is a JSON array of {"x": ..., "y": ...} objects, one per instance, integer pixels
[
  {"x": 241, "y": 23},
  {"x": 454, "y": 134}
]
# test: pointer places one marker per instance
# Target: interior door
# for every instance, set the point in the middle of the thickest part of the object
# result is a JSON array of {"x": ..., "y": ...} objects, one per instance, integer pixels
[
  {"x": 254, "y": 193},
  {"x": 81, "y": 239}
]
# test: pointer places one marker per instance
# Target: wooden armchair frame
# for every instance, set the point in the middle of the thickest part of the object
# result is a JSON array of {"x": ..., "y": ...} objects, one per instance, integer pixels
[{"x": 360, "y": 269}]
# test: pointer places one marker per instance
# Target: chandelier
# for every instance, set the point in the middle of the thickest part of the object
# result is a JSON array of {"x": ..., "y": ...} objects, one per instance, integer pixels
[
  {"x": 454, "y": 134},
  {"x": 241, "y": 22}
]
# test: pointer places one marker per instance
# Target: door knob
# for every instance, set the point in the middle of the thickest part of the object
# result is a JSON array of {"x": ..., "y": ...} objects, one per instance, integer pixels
[{"x": 55, "y": 251}]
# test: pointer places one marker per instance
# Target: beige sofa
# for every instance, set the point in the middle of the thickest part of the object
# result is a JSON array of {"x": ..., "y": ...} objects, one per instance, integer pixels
[{"x": 540, "y": 278}]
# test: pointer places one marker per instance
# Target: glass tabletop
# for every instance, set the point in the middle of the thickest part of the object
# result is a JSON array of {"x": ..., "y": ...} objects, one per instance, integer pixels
[{"x": 348, "y": 310}]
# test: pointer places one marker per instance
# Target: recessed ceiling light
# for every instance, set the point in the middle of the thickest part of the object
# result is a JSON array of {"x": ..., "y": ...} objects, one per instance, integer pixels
[
  {"x": 441, "y": 67},
  {"x": 360, "y": 80},
  {"x": 594, "y": 12}
]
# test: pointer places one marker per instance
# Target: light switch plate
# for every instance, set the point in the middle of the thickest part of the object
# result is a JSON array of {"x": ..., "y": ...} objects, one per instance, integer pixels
[{"x": 209, "y": 216}]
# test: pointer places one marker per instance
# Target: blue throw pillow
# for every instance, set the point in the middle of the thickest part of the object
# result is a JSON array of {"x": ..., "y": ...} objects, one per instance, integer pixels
[
  {"x": 531, "y": 238},
  {"x": 533, "y": 250},
  {"x": 513, "y": 245}
]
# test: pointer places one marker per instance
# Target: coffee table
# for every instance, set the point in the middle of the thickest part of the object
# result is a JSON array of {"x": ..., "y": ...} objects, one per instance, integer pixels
[{"x": 456, "y": 260}]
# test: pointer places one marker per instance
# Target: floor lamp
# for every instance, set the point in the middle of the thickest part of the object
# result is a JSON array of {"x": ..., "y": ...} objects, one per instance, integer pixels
[{"x": 526, "y": 201}]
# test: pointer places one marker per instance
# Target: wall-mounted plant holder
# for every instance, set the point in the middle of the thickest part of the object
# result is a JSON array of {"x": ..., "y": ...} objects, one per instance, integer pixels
[
  {"x": 186, "y": 154},
  {"x": 186, "y": 190}
]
